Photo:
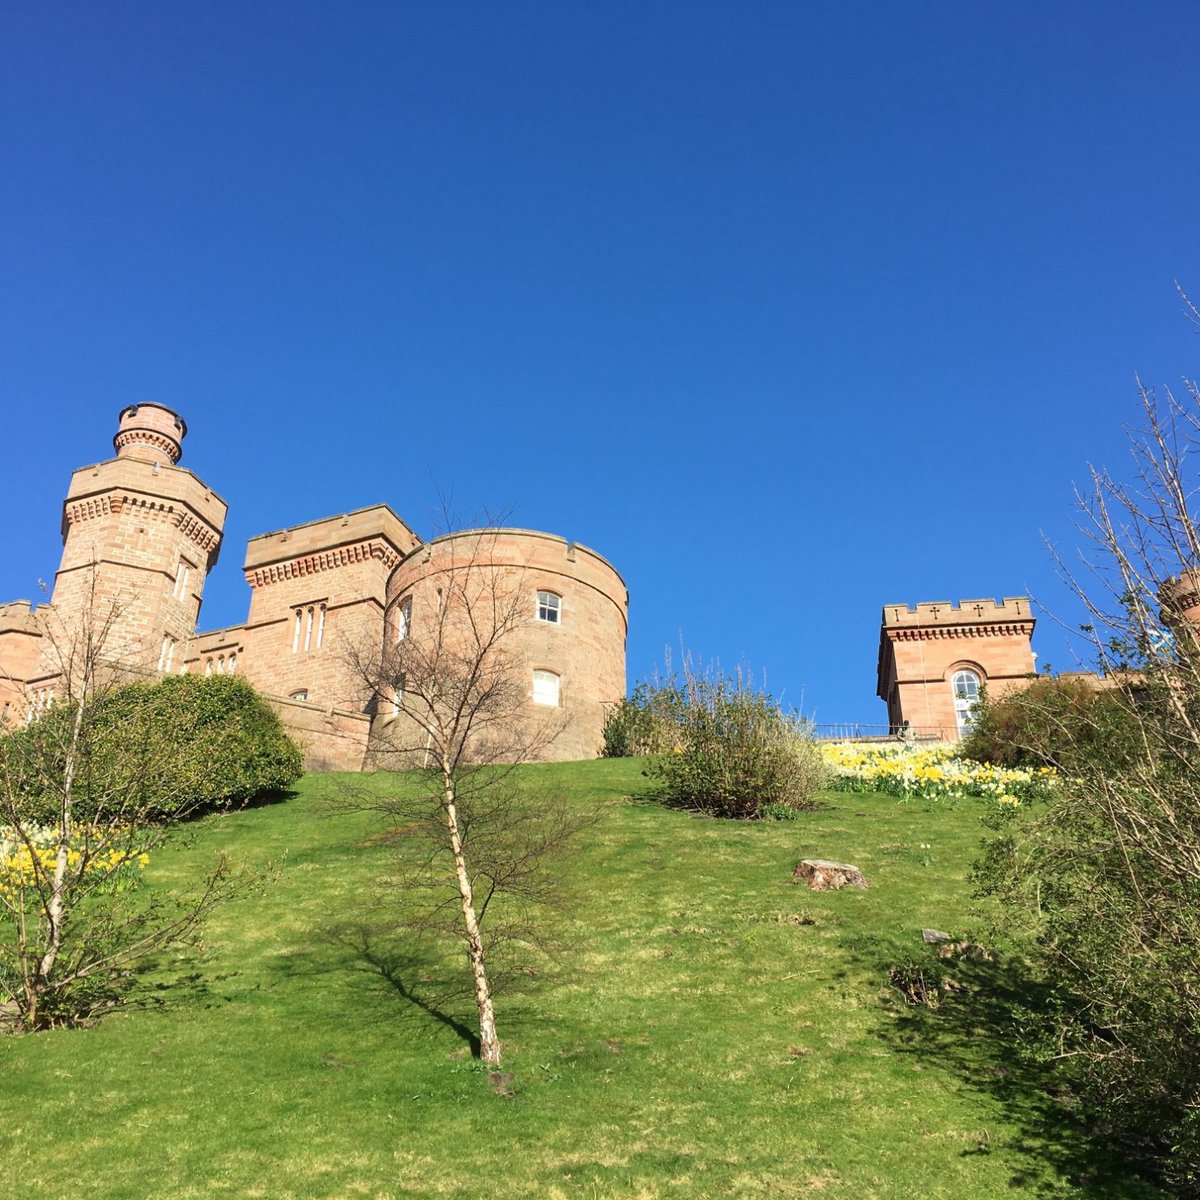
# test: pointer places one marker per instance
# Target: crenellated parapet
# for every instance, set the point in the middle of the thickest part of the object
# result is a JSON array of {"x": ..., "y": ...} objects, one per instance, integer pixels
[
  {"x": 934, "y": 656},
  {"x": 932, "y": 615}
]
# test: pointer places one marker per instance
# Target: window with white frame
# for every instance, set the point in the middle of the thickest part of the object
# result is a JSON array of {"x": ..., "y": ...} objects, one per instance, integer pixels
[
  {"x": 167, "y": 653},
  {"x": 320, "y": 626},
  {"x": 208, "y": 665},
  {"x": 403, "y": 618},
  {"x": 549, "y": 607},
  {"x": 545, "y": 688},
  {"x": 299, "y": 694},
  {"x": 965, "y": 685},
  {"x": 231, "y": 662}
]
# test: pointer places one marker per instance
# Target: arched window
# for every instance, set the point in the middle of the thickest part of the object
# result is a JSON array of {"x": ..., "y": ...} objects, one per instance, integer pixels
[
  {"x": 403, "y": 618},
  {"x": 965, "y": 685},
  {"x": 299, "y": 694},
  {"x": 545, "y": 688},
  {"x": 549, "y": 607}
]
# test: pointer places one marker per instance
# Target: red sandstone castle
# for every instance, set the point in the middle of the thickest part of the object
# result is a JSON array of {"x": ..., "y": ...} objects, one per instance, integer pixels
[
  {"x": 935, "y": 658},
  {"x": 140, "y": 535}
]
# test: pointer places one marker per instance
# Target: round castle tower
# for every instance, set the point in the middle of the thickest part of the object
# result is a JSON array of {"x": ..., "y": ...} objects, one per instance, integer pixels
[
  {"x": 570, "y": 648},
  {"x": 150, "y": 432}
]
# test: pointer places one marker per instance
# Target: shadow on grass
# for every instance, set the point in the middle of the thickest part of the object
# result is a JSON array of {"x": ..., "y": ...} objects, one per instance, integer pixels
[
  {"x": 965, "y": 1014},
  {"x": 413, "y": 971}
]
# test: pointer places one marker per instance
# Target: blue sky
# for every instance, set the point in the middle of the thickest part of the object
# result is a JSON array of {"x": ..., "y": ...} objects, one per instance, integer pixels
[{"x": 789, "y": 309}]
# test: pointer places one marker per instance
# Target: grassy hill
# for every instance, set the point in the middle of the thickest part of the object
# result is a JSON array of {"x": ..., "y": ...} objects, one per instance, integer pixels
[{"x": 712, "y": 1029}]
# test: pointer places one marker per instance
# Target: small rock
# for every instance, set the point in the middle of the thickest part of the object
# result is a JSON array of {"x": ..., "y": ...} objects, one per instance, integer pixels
[
  {"x": 933, "y": 936},
  {"x": 821, "y": 875}
]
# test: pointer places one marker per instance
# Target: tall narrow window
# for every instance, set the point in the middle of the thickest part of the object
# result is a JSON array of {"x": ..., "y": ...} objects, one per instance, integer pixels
[
  {"x": 167, "y": 653},
  {"x": 231, "y": 664},
  {"x": 321, "y": 627},
  {"x": 308, "y": 623},
  {"x": 296, "y": 634},
  {"x": 545, "y": 688},
  {"x": 208, "y": 666},
  {"x": 182, "y": 574},
  {"x": 965, "y": 685},
  {"x": 403, "y": 618},
  {"x": 549, "y": 607}
]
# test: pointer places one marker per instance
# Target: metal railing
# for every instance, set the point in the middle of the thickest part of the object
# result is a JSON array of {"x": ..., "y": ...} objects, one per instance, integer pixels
[{"x": 860, "y": 731}]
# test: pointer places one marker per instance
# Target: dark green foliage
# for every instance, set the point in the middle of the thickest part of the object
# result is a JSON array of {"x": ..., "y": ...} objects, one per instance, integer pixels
[
  {"x": 645, "y": 723},
  {"x": 1101, "y": 891},
  {"x": 1065, "y": 723},
  {"x": 729, "y": 750},
  {"x": 162, "y": 749}
]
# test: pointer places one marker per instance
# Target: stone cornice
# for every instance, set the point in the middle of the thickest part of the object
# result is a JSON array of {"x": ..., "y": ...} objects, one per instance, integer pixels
[
  {"x": 147, "y": 437},
  {"x": 325, "y": 560},
  {"x": 197, "y": 531},
  {"x": 935, "y": 632}
]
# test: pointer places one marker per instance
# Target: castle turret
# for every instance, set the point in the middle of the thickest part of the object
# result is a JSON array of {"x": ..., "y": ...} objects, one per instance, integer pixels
[
  {"x": 150, "y": 433},
  {"x": 140, "y": 535}
]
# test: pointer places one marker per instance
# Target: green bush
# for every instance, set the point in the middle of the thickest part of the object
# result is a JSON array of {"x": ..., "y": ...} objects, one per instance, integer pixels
[
  {"x": 646, "y": 722},
  {"x": 735, "y": 752},
  {"x": 1065, "y": 723},
  {"x": 167, "y": 748}
]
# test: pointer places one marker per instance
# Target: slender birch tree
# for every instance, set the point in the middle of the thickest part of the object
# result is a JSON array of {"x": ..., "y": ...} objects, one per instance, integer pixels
[{"x": 452, "y": 694}]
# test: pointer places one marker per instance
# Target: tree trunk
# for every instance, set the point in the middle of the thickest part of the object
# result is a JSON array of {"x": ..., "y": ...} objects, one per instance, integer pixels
[
  {"x": 489, "y": 1043},
  {"x": 57, "y": 903}
]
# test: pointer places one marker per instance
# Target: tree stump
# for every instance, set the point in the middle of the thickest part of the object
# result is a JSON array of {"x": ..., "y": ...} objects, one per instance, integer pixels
[{"x": 821, "y": 875}]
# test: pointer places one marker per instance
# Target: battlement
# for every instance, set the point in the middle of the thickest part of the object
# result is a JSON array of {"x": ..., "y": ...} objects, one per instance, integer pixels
[
  {"x": 20, "y": 616},
  {"x": 1010, "y": 610},
  {"x": 128, "y": 485},
  {"x": 374, "y": 532}
]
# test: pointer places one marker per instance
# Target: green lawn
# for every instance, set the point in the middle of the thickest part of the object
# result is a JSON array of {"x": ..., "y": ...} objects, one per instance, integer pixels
[{"x": 712, "y": 1030}]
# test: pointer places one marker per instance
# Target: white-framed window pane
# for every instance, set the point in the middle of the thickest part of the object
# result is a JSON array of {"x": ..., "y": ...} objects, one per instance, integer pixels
[
  {"x": 321, "y": 628},
  {"x": 965, "y": 688},
  {"x": 549, "y": 607},
  {"x": 545, "y": 688},
  {"x": 403, "y": 618}
]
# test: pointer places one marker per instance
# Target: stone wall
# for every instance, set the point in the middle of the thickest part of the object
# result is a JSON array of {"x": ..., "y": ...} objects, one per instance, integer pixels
[{"x": 922, "y": 647}]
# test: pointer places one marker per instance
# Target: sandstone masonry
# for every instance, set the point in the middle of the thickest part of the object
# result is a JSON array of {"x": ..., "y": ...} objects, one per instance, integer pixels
[{"x": 141, "y": 534}]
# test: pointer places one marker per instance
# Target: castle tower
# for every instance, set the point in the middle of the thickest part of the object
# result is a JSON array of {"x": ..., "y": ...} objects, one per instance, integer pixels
[
  {"x": 317, "y": 597},
  {"x": 935, "y": 658},
  {"x": 570, "y": 650},
  {"x": 140, "y": 535}
]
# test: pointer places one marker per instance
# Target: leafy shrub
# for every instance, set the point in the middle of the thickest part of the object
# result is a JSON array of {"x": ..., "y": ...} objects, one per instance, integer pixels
[
  {"x": 646, "y": 722},
  {"x": 736, "y": 753},
  {"x": 183, "y": 743},
  {"x": 1064, "y": 723}
]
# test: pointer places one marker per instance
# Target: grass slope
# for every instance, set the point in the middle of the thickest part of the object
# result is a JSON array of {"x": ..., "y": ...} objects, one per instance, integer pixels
[{"x": 714, "y": 1030}]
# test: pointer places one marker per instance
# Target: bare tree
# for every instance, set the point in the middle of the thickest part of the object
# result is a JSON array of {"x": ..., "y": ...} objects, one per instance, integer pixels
[
  {"x": 82, "y": 796},
  {"x": 452, "y": 690},
  {"x": 1105, "y": 882}
]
